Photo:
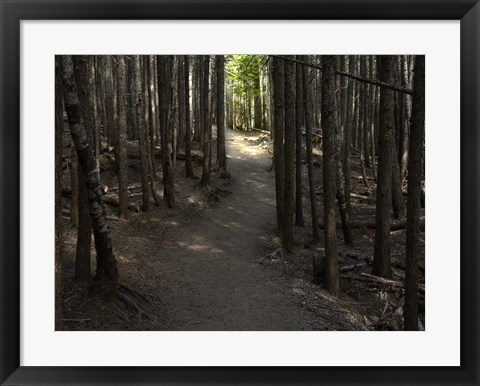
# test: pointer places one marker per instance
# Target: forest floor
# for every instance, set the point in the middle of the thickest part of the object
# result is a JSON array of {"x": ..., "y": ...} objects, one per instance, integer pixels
[{"x": 207, "y": 264}]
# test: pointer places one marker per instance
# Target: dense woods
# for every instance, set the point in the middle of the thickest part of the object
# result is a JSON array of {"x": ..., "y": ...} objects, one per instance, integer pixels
[{"x": 240, "y": 192}]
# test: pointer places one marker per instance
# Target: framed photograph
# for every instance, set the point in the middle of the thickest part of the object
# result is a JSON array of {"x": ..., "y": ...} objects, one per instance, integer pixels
[{"x": 214, "y": 192}]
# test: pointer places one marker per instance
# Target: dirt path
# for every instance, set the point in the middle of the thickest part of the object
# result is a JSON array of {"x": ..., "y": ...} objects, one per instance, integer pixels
[
  {"x": 210, "y": 277},
  {"x": 199, "y": 261}
]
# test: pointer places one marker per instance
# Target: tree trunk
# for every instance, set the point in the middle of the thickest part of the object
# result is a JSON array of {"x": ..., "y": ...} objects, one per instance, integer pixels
[
  {"x": 84, "y": 229},
  {"x": 347, "y": 135},
  {"x": 299, "y": 120},
  {"x": 108, "y": 88},
  {"x": 308, "y": 140},
  {"x": 188, "y": 128},
  {"x": 107, "y": 272},
  {"x": 181, "y": 103},
  {"x": 332, "y": 279},
  {"x": 340, "y": 182},
  {"x": 221, "y": 152},
  {"x": 58, "y": 192},
  {"x": 207, "y": 127},
  {"x": 361, "y": 125},
  {"x": 122, "y": 138},
  {"x": 163, "y": 70},
  {"x": 152, "y": 118},
  {"x": 289, "y": 156},
  {"x": 381, "y": 261},
  {"x": 407, "y": 111},
  {"x": 74, "y": 185},
  {"x": 415, "y": 162},
  {"x": 142, "y": 143},
  {"x": 278, "y": 134}
]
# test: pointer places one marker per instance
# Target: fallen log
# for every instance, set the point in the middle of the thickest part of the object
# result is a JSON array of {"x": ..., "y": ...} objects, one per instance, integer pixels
[
  {"x": 362, "y": 197},
  {"x": 193, "y": 157},
  {"x": 130, "y": 187},
  {"x": 109, "y": 199},
  {"x": 395, "y": 225},
  {"x": 261, "y": 131},
  {"x": 369, "y": 278},
  {"x": 114, "y": 201},
  {"x": 353, "y": 267}
]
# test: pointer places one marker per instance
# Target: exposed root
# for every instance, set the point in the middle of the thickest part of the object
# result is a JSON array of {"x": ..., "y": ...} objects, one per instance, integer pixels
[
  {"x": 274, "y": 256},
  {"x": 134, "y": 299}
]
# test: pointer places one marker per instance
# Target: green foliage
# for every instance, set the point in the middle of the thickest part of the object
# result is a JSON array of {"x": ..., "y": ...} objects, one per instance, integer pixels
[{"x": 243, "y": 74}]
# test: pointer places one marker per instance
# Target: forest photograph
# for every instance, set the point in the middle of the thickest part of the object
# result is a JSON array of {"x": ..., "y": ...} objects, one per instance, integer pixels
[{"x": 240, "y": 192}]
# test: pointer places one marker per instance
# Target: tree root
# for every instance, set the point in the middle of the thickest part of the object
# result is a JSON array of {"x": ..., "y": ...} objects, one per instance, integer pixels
[
  {"x": 274, "y": 256},
  {"x": 133, "y": 299}
]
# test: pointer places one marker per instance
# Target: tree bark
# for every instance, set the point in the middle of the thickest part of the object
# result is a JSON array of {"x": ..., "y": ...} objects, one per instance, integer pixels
[
  {"x": 122, "y": 138},
  {"x": 107, "y": 271},
  {"x": 415, "y": 162},
  {"x": 347, "y": 135},
  {"x": 340, "y": 182},
  {"x": 278, "y": 134},
  {"x": 221, "y": 152},
  {"x": 299, "y": 120},
  {"x": 188, "y": 128},
  {"x": 163, "y": 70},
  {"x": 142, "y": 143},
  {"x": 332, "y": 279},
  {"x": 58, "y": 192},
  {"x": 84, "y": 229},
  {"x": 289, "y": 156},
  {"x": 381, "y": 261},
  {"x": 308, "y": 140},
  {"x": 207, "y": 127}
]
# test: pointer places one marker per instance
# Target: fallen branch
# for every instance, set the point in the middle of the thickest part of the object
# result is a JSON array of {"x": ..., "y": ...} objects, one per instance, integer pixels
[
  {"x": 369, "y": 278},
  {"x": 395, "y": 225},
  {"x": 261, "y": 131},
  {"x": 109, "y": 199},
  {"x": 353, "y": 267},
  {"x": 114, "y": 201},
  {"x": 193, "y": 157}
]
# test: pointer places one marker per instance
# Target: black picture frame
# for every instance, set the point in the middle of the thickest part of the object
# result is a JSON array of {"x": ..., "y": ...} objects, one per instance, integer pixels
[{"x": 12, "y": 12}]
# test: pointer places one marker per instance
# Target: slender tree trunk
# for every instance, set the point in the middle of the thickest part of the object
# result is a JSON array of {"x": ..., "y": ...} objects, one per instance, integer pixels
[
  {"x": 122, "y": 138},
  {"x": 58, "y": 192},
  {"x": 289, "y": 156},
  {"x": 361, "y": 126},
  {"x": 207, "y": 128},
  {"x": 188, "y": 128},
  {"x": 84, "y": 229},
  {"x": 109, "y": 107},
  {"x": 407, "y": 111},
  {"x": 278, "y": 134},
  {"x": 172, "y": 115},
  {"x": 332, "y": 279},
  {"x": 308, "y": 132},
  {"x": 366, "y": 114},
  {"x": 152, "y": 119},
  {"x": 347, "y": 134},
  {"x": 181, "y": 102},
  {"x": 381, "y": 260},
  {"x": 415, "y": 162},
  {"x": 340, "y": 182},
  {"x": 74, "y": 185},
  {"x": 163, "y": 69},
  {"x": 140, "y": 106},
  {"x": 299, "y": 120},
  {"x": 107, "y": 272},
  {"x": 221, "y": 152}
]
